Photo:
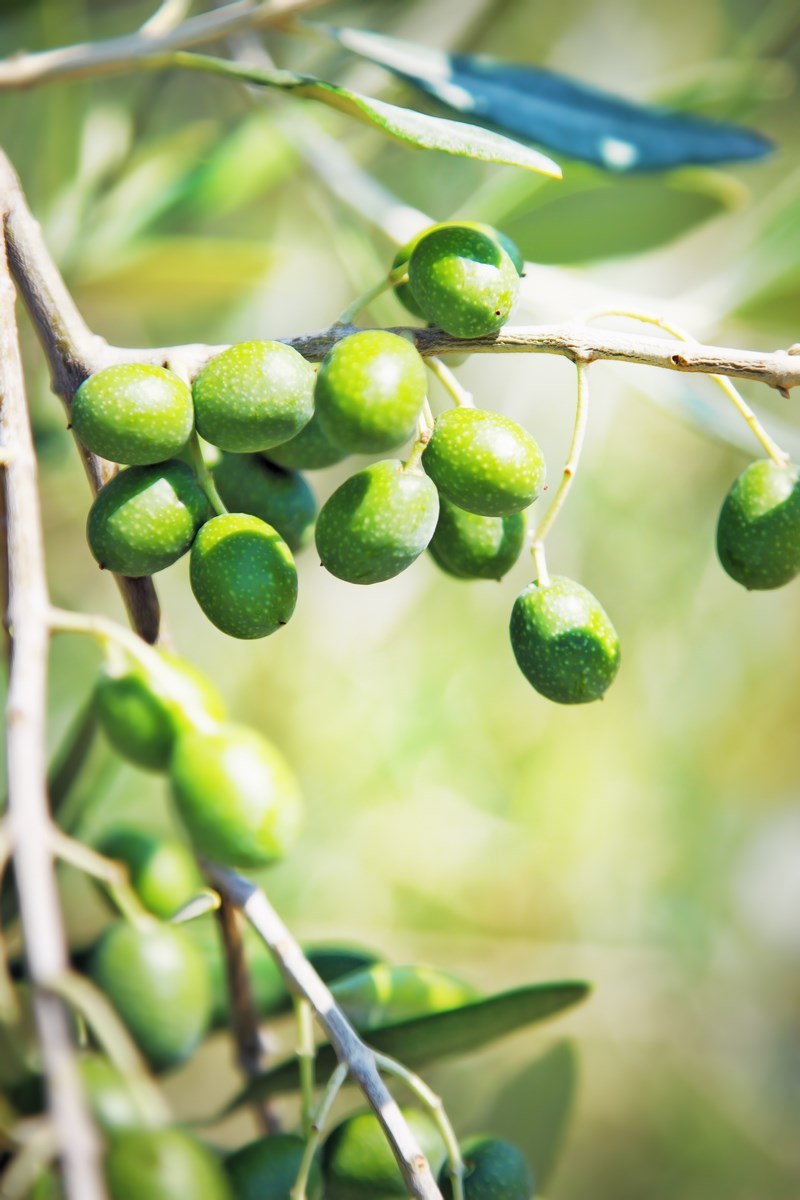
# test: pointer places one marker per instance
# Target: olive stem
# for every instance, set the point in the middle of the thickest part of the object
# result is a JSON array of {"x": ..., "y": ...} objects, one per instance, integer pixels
[
  {"x": 453, "y": 386},
  {"x": 204, "y": 476},
  {"x": 435, "y": 1107},
  {"x": 778, "y": 456},
  {"x": 34, "y": 1155},
  {"x": 112, "y": 875},
  {"x": 314, "y": 1134},
  {"x": 568, "y": 474},
  {"x": 398, "y": 276},
  {"x": 306, "y": 1057}
]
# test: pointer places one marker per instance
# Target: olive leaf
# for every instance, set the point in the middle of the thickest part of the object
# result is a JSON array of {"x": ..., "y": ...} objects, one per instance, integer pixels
[
  {"x": 554, "y": 110},
  {"x": 406, "y": 125}
]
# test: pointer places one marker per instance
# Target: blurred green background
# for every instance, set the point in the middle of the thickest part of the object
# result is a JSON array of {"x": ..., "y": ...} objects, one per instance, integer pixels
[{"x": 651, "y": 843}]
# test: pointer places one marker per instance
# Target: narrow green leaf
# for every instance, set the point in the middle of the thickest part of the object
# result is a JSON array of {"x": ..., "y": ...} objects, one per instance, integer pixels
[
  {"x": 406, "y": 125},
  {"x": 439, "y": 1035}
]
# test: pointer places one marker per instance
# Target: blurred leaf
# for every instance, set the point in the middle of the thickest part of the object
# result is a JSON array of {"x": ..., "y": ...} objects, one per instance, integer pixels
[
  {"x": 776, "y": 306},
  {"x": 556, "y": 111},
  {"x": 438, "y": 1035},
  {"x": 534, "y": 1109},
  {"x": 381, "y": 994},
  {"x": 417, "y": 129}
]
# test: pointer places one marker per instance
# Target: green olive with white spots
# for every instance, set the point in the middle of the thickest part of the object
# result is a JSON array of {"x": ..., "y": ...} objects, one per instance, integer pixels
[
  {"x": 758, "y": 533},
  {"x": 133, "y": 414},
  {"x": 563, "y": 641},
  {"x": 243, "y": 575},
  {"x": 249, "y": 483},
  {"x": 469, "y": 546},
  {"x": 310, "y": 450},
  {"x": 403, "y": 291},
  {"x": 146, "y": 518},
  {"x": 370, "y": 390},
  {"x": 463, "y": 280},
  {"x": 377, "y": 523},
  {"x": 484, "y": 462},
  {"x": 253, "y": 396},
  {"x": 163, "y": 1164},
  {"x": 494, "y": 1170},
  {"x": 236, "y": 795}
]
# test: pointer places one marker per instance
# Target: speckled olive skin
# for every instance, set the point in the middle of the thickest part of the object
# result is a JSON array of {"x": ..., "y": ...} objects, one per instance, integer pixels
[
  {"x": 248, "y": 483},
  {"x": 145, "y": 518},
  {"x": 236, "y": 795},
  {"x": 243, "y": 575},
  {"x": 469, "y": 546},
  {"x": 163, "y": 1164},
  {"x": 267, "y": 1168},
  {"x": 133, "y": 414},
  {"x": 404, "y": 293},
  {"x": 370, "y": 390},
  {"x": 358, "y": 1163},
  {"x": 495, "y": 1170},
  {"x": 377, "y": 523},
  {"x": 563, "y": 641},
  {"x": 253, "y": 396},
  {"x": 141, "y": 712},
  {"x": 463, "y": 280},
  {"x": 758, "y": 533},
  {"x": 310, "y": 450},
  {"x": 158, "y": 982},
  {"x": 484, "y": 462}
]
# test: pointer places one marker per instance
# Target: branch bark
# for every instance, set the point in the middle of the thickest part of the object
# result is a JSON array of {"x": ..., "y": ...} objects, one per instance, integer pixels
[{"x": 28, "y": 815}]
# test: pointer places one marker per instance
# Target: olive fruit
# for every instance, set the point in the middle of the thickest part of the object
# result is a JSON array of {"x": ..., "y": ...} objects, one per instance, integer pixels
[
  {"x": 253, "y": 396},
  {"x": 377, "y": 523},
  {"x": 484, "y": 462},
  {"x": 370, "y": 390},
  {"x": 310, "y": 450},
  {"x": 113, "y": 1102},
  {"x": 243, "y": 575},
  {"x": 236, "y": 795},
  {"x": 563, "y": 641},
  {"x": 146, "y": 518},
  {"x": 142, "y": 707},
  {"x": 158, "y": 982},
  {"x": 358, "y": 1163},
  {"x": 469, "y": 546},
  {"x": 463, "y": 280},
  {"x": 248, "y": 483},
  {"x": 134, "y": 414},
  {"x": 163, "y": 1164},
  {"x": 381, "y": 994},
  {"x": 758, "y": 533},
  {"x": 163, "y": 871},
  {"x": 266, "y": 1169},
  {"x": 403, "y": 291},
  {"x": 494, "y": 1170}
]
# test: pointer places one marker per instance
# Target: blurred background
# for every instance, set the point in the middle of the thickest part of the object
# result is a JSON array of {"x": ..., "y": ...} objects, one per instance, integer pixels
[{"x": 649, "y": 843}]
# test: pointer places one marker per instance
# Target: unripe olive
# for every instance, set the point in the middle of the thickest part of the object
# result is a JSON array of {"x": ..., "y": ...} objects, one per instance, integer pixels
[
  {"x": 463, "y": 280},
  {"x": 243, "y": 575},
  {"x": 237, "y": 796},
  {"x": 266, "y": 1169},
  {"x": 113, "y": 1102},
  {"x": 134, "y": 413},
  {"x": 358, "y": 1163},
  {"x": 163, "y": 871},
  {"x": 158, "y": 983},
  {"x": 310, "y": 450},
  {"x": 163, "y": 1164},
  {"x": 141, "y": 709},
  {"x": 253, "y": 396},
  {"x": 377, "y": 523},
  {"x": 403, "y": 291},
  {"x": 370, "y": 390},
  {"x": 484, "y": 462},
  {"x": 146, "y": 518},
  {"x": 758, "y": 534},
  {"x": 469, "y": 546},
  {"x": 249, "y": 483},
  {"x": 563, "y": 641},
  {"x": 494, "y": 1170}
]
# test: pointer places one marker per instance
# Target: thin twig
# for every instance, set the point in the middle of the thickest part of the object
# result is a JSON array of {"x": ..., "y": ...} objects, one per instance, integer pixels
[
  {"x": 302, "y": 980},
  {"x": 28, "y": 816}
]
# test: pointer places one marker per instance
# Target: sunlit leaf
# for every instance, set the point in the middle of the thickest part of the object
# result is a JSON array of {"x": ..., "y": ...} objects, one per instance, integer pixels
[
  {"x": 437, "y": 1035},
  {"x": 558, "y": 112},
  {"x": 383, "y": 993}
]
